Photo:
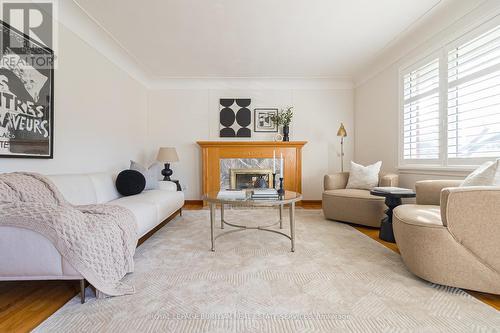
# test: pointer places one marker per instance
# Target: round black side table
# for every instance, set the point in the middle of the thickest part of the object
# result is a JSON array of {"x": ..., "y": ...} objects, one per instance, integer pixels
[{"x": 392, "y": 200}]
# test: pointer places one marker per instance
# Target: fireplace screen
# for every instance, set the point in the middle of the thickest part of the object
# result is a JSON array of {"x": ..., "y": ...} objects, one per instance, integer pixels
[{"x": 251, "y": 178}]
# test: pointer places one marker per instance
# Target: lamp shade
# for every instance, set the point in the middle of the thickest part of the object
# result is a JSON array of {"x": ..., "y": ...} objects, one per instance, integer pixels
[
  {"x": 167, "y": 154},
  {"x": 342, "y": 132}
]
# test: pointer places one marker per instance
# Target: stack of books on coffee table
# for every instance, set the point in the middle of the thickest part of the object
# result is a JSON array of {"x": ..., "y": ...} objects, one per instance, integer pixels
[
  {"x": 232, "y": 195},
  {"x": 265, "y": 194}
]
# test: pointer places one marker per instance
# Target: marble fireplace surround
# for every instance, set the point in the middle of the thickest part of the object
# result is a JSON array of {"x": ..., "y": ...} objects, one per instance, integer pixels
[
  {"x": 228, "y": 164},
  {"x": 218, "y": 157}
]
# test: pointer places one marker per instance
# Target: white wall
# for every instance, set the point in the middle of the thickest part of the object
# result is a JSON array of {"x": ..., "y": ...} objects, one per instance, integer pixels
[
  {"x": 376, "y": 105},
  {"x": 376, "y": 120},
  {"x": 180, "y": 117},
  {"x": 100, "y": 113}
]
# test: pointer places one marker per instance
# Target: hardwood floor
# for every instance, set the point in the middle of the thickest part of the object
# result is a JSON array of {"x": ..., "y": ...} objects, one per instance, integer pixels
[
  {"x": 373, "y": 233},
  {"x": 25, "y": 304}
]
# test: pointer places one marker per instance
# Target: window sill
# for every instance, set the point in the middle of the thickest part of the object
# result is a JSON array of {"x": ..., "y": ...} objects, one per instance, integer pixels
[{"x": 452, "y": 171}]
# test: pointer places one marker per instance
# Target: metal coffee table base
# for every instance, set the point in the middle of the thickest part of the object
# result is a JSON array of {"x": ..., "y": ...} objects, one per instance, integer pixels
[{"x": 239, "y": 227}]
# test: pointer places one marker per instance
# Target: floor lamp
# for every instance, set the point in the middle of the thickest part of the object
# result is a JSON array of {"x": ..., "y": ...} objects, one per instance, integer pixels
[{"x": 342, "y": 133}]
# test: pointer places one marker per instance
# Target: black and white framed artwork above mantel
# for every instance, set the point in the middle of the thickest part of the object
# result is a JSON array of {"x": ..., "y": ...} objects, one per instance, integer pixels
[{"x": 235, "y": 117}]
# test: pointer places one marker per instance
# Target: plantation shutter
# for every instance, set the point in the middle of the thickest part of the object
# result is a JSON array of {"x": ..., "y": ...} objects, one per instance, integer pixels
[
  {"x": 474, "y": 97},
  {"x": 421, "y": 112}
]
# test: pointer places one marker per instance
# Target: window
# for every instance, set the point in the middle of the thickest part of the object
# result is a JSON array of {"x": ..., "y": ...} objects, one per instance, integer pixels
[
  {"x": 451, "y": 104},
  {"x": 474, "y": 97},
  {"x": 421, "y": 112}
]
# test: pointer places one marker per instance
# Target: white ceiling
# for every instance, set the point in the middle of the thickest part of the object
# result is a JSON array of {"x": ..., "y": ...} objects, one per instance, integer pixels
[{"x": 254, "y": 38}]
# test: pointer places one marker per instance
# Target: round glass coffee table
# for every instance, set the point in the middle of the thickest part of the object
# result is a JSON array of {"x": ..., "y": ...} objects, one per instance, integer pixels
[{"x": 289, "y": 198}]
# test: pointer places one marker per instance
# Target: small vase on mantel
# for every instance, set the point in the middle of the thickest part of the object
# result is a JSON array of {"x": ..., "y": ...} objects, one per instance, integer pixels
[
  {"x": 284, "y": 118},
  {"x": 286, "y": 132}
]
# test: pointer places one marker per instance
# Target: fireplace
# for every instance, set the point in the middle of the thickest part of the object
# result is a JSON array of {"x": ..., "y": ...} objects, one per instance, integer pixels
[
  {"x": 251, "y": 178},
  {"x": 244, "y": 171},
  {"x": 219, "y": 157}
]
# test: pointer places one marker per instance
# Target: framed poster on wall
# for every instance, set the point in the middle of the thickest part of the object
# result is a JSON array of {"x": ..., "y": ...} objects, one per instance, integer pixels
[{"x": 26, "y": 96}]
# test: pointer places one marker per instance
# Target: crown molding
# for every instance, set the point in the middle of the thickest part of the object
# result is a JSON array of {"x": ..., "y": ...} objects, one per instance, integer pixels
[{"x": 298, "y": 83}]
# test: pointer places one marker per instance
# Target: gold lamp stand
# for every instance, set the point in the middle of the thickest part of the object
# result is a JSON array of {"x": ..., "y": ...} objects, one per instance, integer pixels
[{"x": 342, "y": 133}]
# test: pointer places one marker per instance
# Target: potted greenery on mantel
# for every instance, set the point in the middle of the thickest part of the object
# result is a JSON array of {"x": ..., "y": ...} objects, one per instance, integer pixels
[{"x": 284, "y": 118}]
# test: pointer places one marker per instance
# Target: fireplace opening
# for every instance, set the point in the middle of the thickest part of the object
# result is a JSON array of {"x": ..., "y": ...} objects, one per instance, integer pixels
[{"x": 251, "y": 178}]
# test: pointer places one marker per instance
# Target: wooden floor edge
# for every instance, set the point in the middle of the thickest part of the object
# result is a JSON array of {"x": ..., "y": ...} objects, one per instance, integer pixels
[
  {"x": 193, "y": 202},
  {"x": 313, "y": 204}
]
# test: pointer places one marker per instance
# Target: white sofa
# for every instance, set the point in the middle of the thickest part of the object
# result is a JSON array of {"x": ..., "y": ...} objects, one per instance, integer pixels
[{"x": 27, "y": 255}]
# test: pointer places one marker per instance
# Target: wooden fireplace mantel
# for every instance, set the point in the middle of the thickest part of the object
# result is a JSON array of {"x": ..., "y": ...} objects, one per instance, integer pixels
[
  {"x": 213, "y": 151},
  {"x": 299, "y": 144}
]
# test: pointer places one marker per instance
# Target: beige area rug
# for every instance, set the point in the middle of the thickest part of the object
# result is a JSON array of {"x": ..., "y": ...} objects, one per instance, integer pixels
[{"x": 338, "y": 280}]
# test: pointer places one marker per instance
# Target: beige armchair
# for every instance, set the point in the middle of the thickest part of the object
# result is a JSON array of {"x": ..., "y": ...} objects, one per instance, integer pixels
[
  {"x": 452, "y": 235},
  {"x": 352, "y": 205}
]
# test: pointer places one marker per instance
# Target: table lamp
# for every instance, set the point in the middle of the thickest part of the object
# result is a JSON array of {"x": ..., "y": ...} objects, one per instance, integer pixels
[
  {"x": 167, "y": 155},
  {"x": 342, "y": 133}
]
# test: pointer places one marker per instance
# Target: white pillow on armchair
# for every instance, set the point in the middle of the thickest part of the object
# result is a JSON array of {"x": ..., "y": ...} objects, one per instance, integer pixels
[
  {"x": 487, "y": 174},
  {"x": 363, "y": 177}
]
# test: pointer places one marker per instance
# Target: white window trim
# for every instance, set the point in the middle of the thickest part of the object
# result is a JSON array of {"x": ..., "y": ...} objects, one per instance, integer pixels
[
  {"x": 436, "y": 170},
  {"x": 443, "y": 165}
]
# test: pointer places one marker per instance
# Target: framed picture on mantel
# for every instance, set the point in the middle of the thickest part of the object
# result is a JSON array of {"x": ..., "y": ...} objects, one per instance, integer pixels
[{"x": 263, "y": 120}]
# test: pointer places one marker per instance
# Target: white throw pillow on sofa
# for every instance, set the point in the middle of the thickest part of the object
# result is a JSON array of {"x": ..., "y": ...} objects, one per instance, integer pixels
[
  {"x": 152, "y": 174},
  {"x": 363, "y": 177},
  {"x": 488, "y": 174}
]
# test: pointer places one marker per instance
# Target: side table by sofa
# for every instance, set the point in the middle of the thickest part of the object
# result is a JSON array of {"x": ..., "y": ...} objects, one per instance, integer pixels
[{"x": 392, "y": 200}]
